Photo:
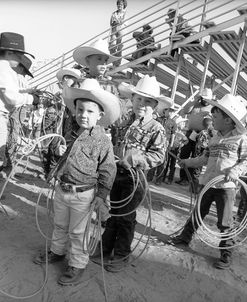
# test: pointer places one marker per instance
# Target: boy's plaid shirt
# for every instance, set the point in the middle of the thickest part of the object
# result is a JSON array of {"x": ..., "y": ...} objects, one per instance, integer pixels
[{"x": 147, "y": 137}]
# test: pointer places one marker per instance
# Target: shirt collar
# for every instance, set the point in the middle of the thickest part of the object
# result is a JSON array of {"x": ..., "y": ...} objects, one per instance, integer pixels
[
  {"x": 232, "y": 132},
  {"x": 144, "y": 120}
]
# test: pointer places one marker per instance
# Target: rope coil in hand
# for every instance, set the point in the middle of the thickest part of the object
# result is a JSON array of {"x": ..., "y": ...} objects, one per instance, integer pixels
[{"x": 210, "y": 234}]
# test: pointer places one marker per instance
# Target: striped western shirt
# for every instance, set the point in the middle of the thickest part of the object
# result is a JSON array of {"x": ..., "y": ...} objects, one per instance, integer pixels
[{"x": 224, "y": 153}]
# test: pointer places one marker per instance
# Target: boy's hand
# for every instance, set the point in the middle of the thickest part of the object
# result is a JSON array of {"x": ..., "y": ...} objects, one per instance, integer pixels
[
  {"x": 181, "y": 163},
  {"x": 231, "y": 176},
  {"x": 124, "y": 163},
  {"x": 98, "y": 201},
  {"x": 101, "y": 208},
  {"x": 61, "y": 150},
  {"x": 140, "y": 164}
]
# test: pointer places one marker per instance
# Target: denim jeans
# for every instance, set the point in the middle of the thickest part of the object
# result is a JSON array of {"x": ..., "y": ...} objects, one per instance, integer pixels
[
  {"x": 70, "y": 219},
  {"x": 224, "y": 199},
  {"x": 3, "y": 135}
]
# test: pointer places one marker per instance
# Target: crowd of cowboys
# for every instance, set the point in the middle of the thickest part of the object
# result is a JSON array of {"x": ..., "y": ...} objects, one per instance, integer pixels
[{"x": 98, "y": 130}]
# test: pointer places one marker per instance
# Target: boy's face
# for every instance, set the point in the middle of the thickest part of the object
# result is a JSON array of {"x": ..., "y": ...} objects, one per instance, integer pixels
[
  {"x": 143, "y": 106},
  {"x": 13, "y": 57},
  {"x": 167, "y": 112},
  {"x": 120, "y": 5},
  {"x": 97, "y": 64},
  {"x": 219, "y": 121},
  {"x": 70, "y": 81},
  {"x": 87, "y": 113}
]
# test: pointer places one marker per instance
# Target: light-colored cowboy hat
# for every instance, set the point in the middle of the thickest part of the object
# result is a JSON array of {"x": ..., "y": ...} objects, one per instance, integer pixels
[
  {"x": 180, "y": 119},
  {"x": 98, "y": 47},
  {"x": 235, "y": 108},
  {"x": 68, "y": 71},
  {"x": 90, "y": 89},
  {"x": 149, "y": 87},
  {"x": 207, "y": 94},
  {"x": 125, "y": 90}
]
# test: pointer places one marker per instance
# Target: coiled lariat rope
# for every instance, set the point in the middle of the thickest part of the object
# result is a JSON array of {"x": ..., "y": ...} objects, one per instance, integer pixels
[
  {"x": 193, "y": 195},
  {"x": 26, "y": 150},
  {"x": 92, "y": 233},
  {"x": 210, "y": 234}
]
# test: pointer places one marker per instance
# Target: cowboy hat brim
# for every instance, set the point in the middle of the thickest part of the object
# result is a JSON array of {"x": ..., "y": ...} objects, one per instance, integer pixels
[
  {"x": 125, "y": 90},
  {"x": 27, "y": 71},
  {"x": 81, "y": 53},
  {"x": 62, "y": 72},
  {"x": 163, "y": 101},
  {"x": 17, "y": 50},
  {"x": 238, "y": 123},
  {"x": 108, "y": 101}
]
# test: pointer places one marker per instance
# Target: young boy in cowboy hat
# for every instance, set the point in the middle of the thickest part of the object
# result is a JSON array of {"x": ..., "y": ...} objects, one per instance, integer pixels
[
  {"x": 196, "y": 110},
  {"x": 140, "y": 144},
  {"x": 11, "y": 50},
  {"x": 14, "y": 126},
  {"x": 170, "y": 126},
  {"x": 179, "y": 140},
  {"x": 226, "y": 155},
  {"x": 96, "y": 57},
  {"x": 84, "y": 175}
]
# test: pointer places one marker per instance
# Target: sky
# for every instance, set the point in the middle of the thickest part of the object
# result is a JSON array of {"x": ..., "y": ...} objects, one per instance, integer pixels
[{"x": 53, "y": 27}]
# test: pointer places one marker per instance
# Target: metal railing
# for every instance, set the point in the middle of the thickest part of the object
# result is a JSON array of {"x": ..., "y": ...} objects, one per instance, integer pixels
[{"x": 195, "y": 12}]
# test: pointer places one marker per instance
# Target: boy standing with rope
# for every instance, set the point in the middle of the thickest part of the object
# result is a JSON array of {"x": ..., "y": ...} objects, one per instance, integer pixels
[
  {"x": 84, "y": 174},
  {"x": 140, "y": 145},
  {"x": 226, "y": 155}
]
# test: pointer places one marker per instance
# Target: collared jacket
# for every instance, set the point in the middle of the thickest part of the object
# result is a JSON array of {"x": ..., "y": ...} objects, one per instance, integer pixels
[
  {"x": 10, "y": 96},
  {"x": 89, "y": 160},
  {"x": 144, "y": 140},
  {"x": 223, "y": 153}
]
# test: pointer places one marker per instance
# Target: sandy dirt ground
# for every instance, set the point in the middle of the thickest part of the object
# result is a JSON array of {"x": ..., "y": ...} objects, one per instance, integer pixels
[{"x": 162, "y": 273}]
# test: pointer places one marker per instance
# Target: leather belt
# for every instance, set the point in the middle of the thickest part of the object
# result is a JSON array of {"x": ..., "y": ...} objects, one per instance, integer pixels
[{"x": 69, "y": 188}]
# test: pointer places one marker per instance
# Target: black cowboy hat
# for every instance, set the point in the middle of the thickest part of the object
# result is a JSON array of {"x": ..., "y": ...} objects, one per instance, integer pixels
[
  {"x": 12, "y": 41},
  {"x": 26, "y": 64}
]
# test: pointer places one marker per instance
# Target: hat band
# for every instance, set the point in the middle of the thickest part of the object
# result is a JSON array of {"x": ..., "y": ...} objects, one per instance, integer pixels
[{"x": 147, "y": 94}]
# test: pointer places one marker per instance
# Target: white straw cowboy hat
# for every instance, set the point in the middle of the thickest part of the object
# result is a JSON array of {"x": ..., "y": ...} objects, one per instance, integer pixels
[
  {"x": 207, "y": 94},
  {"x": 180, "y": 119},
  {"x": 68, "y": 71},
  {"x": 90, "y": 89},
  {"x": 149, "y": 87},
  {"x": 235, "y": 108},
  {"x": 98, "y": 47},
  {"x": 125, "y": 90}
]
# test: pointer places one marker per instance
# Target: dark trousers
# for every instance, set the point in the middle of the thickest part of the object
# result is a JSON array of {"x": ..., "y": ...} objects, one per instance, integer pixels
[
  {"x": 171, "y": 165},
  {"x": 187, "y": 151},
  {"x": 224, "y": 199},
  {"x": 119, "y": 231},
  {"x": 242, "y": 207},
  {"x": 49, "y": 156}
]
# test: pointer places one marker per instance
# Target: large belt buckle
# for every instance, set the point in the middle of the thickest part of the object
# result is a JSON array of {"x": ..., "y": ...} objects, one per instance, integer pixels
[{"x": 66, "y": 187}]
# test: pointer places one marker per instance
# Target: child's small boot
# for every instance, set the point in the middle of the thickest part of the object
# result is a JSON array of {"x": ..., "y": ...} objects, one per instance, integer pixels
[
  {"x": 50, "y": 256},
  {"x": 225, "y": 260},
  {"x": 72, "y": 276}
]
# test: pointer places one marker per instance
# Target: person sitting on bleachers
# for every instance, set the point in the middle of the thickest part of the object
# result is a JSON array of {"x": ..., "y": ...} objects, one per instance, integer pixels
[
  {"x": 145, "y": 42},
  {"x": 182, "y": 29}
]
